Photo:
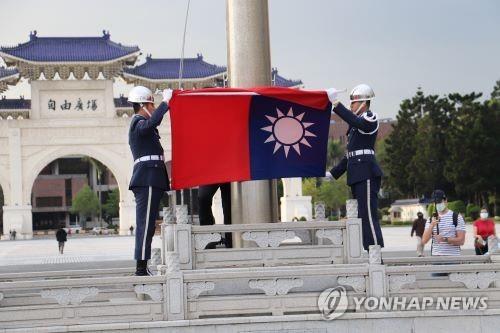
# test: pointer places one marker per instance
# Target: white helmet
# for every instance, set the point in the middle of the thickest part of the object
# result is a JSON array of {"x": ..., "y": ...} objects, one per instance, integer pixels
[
  {"x": 362, "y": 92},
  {"x": 140, "y": 94}
]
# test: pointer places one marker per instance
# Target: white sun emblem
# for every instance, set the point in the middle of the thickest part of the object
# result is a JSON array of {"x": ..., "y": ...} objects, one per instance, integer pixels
[{"x": 288, "y": 131}]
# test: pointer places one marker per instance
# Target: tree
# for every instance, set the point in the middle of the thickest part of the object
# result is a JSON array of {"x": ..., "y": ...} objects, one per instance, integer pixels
[
  {"x": 100, "y": 170},
  {"x": 457, "y": 206},
  {"x": 449, "y": 142},
  {"x": 468, "y": 143},
  {"x": 333, "y": 193},
  {"x": 310, "y": 188},
  {"x": 85, "y": 204},
  {"x": 336, "y": 152},
  {"x": 431, "y": 151},
  {"x": 400, "y": 146},
  {"x": 111, "y": 207},
  {"x": 495, "y": 94}
]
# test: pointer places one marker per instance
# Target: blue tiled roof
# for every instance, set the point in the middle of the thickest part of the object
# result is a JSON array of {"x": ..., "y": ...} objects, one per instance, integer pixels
[
  {"x": 6, "y": 72},
  {"x": 280, "y": 81},
  {"x": 69, "y": 49},
  {"x": 168, "y": 69},
  {"x": 15, "y": 104}
]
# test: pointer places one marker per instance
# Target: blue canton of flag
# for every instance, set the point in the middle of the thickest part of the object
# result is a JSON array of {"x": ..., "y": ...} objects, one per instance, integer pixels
[{"x": 287, "y": 139}]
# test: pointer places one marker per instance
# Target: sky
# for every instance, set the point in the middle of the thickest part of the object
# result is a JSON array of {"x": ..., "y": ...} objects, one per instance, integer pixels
[{"x": 395, "y": 46}]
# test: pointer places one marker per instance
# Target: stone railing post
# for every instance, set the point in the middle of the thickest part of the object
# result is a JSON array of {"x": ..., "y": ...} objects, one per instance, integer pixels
[
  {"x": 183, "y": 238},
  {"x": 353, "y": 241},
  {"x": 176, "y": 237},
  {"x": 175, "y": 300},
  {"x": 376, "y": 273}
]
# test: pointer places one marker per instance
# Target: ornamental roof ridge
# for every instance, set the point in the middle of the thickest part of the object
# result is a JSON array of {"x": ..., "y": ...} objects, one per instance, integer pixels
[
  {"x": 168, "y": 68},
  {"x": 280, "y": 81},
  {"x": 6, "y": 71},
  {"x": 69, "y": 49}
]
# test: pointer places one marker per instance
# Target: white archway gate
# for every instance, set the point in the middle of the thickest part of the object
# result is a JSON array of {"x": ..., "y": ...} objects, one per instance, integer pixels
[{"x": 54, "y": 131}]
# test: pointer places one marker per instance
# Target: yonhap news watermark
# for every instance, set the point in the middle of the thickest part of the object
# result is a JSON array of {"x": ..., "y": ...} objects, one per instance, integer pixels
[{"x": 333, "y": 303}]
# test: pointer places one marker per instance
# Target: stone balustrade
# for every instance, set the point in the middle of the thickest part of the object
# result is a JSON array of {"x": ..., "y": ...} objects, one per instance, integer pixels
[
  {"x": 270, "y": 244},
  {"x": 280, "y": 275}
]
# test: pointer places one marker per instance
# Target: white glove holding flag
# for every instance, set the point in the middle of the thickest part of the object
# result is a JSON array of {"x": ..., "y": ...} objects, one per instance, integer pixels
[
  {"x": 333, "y": 95},
  {"x": 328, "y": 175},
  {"x": 167, "y": 95}
]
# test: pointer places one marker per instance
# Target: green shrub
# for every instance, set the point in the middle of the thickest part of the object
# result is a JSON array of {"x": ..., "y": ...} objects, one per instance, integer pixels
[
  {"x": 472, "y": 211},
  {"x": 430, "y": 209},
  {"x": 457, "y": 206},
  {"x": 402, "y": 223}
]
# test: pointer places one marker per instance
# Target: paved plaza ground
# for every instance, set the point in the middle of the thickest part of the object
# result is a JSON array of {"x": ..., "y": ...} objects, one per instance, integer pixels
[{"x": 117, "y": 251}]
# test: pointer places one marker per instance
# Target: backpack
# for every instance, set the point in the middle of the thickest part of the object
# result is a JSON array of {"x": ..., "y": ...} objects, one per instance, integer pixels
[{"x": 455, "y": 219}]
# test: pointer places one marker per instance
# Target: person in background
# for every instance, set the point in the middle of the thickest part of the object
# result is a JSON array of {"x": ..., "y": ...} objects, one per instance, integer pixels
[
  {"x": 205, "y": 197},
  {"x": 418, "y": 229},
  {"x": 482, "y": 229},
  {"x": 447, "y": 229},
  {"x": 62, "y": 237}
]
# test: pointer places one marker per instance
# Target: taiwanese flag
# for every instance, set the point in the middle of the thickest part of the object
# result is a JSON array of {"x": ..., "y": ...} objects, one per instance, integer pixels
[{"x": 223, "y": 134}]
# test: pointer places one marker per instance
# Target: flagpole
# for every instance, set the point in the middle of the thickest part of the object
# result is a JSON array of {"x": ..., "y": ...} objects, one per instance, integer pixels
[
  {"x": 249, "y": 65},
  {"x": 181, "y": 72}
]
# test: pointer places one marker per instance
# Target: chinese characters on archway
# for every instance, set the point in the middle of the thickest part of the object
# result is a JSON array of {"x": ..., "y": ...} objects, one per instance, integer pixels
[{"x": 78, "y": 105}]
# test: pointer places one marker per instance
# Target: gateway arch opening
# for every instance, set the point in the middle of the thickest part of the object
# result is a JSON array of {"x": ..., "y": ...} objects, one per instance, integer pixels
[{"x": 76, "y": 192}]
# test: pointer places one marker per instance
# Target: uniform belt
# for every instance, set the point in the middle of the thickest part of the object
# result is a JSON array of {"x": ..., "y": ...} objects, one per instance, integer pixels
[
  {"x": 361, "y": 152},
  {"x": 149, "y": 158}
]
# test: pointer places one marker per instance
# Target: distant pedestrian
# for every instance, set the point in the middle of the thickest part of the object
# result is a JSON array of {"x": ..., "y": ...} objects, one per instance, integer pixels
[
  {"x": 62, "y": 237},
  {"x": 482, "y": 229},
  {"x": 131, "y": 230},
  {"x": 418, "y": 228},
  {"x": 14, "y": 233},
  {"x": 10, "y": 234}
]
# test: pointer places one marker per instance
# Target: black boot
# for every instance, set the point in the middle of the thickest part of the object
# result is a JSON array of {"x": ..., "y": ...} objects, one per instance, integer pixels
[{"x": 142, "y": 268}]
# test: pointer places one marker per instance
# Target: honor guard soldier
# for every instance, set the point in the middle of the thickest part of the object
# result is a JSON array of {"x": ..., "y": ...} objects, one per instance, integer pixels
[
  {"x": 363, "y": 173},
  {"x": 149, "y": 179}
]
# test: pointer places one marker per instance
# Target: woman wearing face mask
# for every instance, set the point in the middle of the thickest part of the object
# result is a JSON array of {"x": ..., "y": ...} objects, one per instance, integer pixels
[{"x": 482, "y": 229}]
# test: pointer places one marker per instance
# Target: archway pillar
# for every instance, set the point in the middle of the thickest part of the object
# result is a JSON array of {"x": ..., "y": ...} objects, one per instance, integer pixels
[
  {"x": 127, "y": 216},
  {"x": 16, "y": 213},
  {"x": 17, "y": 218}
]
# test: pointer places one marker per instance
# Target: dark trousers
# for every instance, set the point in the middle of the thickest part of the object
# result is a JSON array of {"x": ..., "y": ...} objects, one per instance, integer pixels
[
  {"x": 366, "y": 194},
  {"x": 205, "y": 196},
  {"x": 147, "y": 200},
  {"x": 61, "y": 247},
  {"x": 480, "y": 250}
]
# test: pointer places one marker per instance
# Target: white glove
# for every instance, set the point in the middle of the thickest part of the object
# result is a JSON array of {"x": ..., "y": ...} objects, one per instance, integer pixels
[
  {"x": 328, "y": 175},
  {"x": 333, "y": 95},
  {"x": 167, "y": 95}
]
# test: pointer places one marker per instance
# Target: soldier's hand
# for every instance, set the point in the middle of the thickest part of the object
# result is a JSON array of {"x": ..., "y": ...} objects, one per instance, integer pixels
[
  {"x": 333, "y": 95},
  {"x": 328, "y": 175},
  {"x": 167, "y": 95}
]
